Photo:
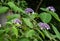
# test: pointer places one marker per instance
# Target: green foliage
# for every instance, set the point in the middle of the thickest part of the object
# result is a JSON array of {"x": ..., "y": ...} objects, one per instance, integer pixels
[
  {"x": 35, "y": 40},
  {"x": 3, "y": 9},
  {"x": 24, "y": 39},
  {"x": 34, "y": 15},
  {"x": 13, "y": 6},
  {"x": 30, "y": 33},
  {"x": 13, "y": 16},
  {"x": 7, "y": 30},
  {"x": 45, "y": 17},
  {"x": 15, "y": 31},
  {"x": 23, "y": 4},
  {"x": 56, "y": 31},
  {"x": 2, "y": 31},
  {"x": 28, "y": 22},
  {"x": 47, "y": 34},
  {"x": 29, "y": 29},
  {"x": 52, "y": 13},
  {"x": 55, "y": 15},
  {"x": 40, "y": 32}
]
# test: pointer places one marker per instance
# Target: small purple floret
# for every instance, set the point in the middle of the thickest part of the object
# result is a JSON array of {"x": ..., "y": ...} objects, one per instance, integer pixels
[
  {"x": 51, "y": 8},
  {"x": 29, "y": 10},
  {"x": 43, "y": 25},
  {"x": 16, "y": 21}
]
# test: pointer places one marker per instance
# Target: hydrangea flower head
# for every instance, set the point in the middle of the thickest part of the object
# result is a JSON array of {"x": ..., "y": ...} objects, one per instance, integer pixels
[
  {"x": 43, "y": 25},
  {"x": 51, "y": 8},
  {"x": 29, "y": 10}
]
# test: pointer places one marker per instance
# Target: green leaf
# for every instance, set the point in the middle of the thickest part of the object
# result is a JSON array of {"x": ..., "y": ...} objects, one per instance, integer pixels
[
  {"x": 10, "y": 17},
  {"x": 34, "y": 15},
  {"x": 38, "y": 37},
  {"x": 7, "y": 30},
  {"x": 24, "y": 39},
  {"x": 2, "y": 31},
  {"x": 40, "y": 32},
  {"x": 52, "y": 13},
  {"x": 56, "y": 31},
  {"x": 44, "y": 9},
  {"x": 35, "y": 40},
  {"x": 30, "y": 33},
  {"x": 8, "y": 23},
  {"x": 1, "y": 38},
  {"x": 14, "y": 7},
  {"x": 45, "y": 17},
  {"x": 47, "y": 34},
  {"x": 3, "y": 9},
  {"x": 28, "y": 22},
  {"x": 15, "y": 31}
]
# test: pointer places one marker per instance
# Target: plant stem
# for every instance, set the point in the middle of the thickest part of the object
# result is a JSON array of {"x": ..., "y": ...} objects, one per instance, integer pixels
[{"x": 39, "y": 5}]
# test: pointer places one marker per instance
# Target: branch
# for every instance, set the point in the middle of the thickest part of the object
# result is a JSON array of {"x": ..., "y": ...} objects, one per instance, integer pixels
[{"x": 39, "y": 5}]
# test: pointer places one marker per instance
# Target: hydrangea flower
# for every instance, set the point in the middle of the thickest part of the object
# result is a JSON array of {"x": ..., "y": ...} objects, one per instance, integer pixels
[
  {"x": 29, "y": 10},
  {"x": 43, "y": 25},
  {"x": 51, "y": 8},
  {"x": 16, "y": 21}
]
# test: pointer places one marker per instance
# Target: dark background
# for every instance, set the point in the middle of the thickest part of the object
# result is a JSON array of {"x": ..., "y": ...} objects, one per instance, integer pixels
[{"x": 34, "y": 3}]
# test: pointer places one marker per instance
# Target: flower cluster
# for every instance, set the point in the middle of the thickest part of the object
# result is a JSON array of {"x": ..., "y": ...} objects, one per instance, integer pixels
[
  {"x": 16, "y": 21},
  {"x": 29, "y": 10},
  {"x": 51, "y": 8},
  {"x": 43, "y": 25}
]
